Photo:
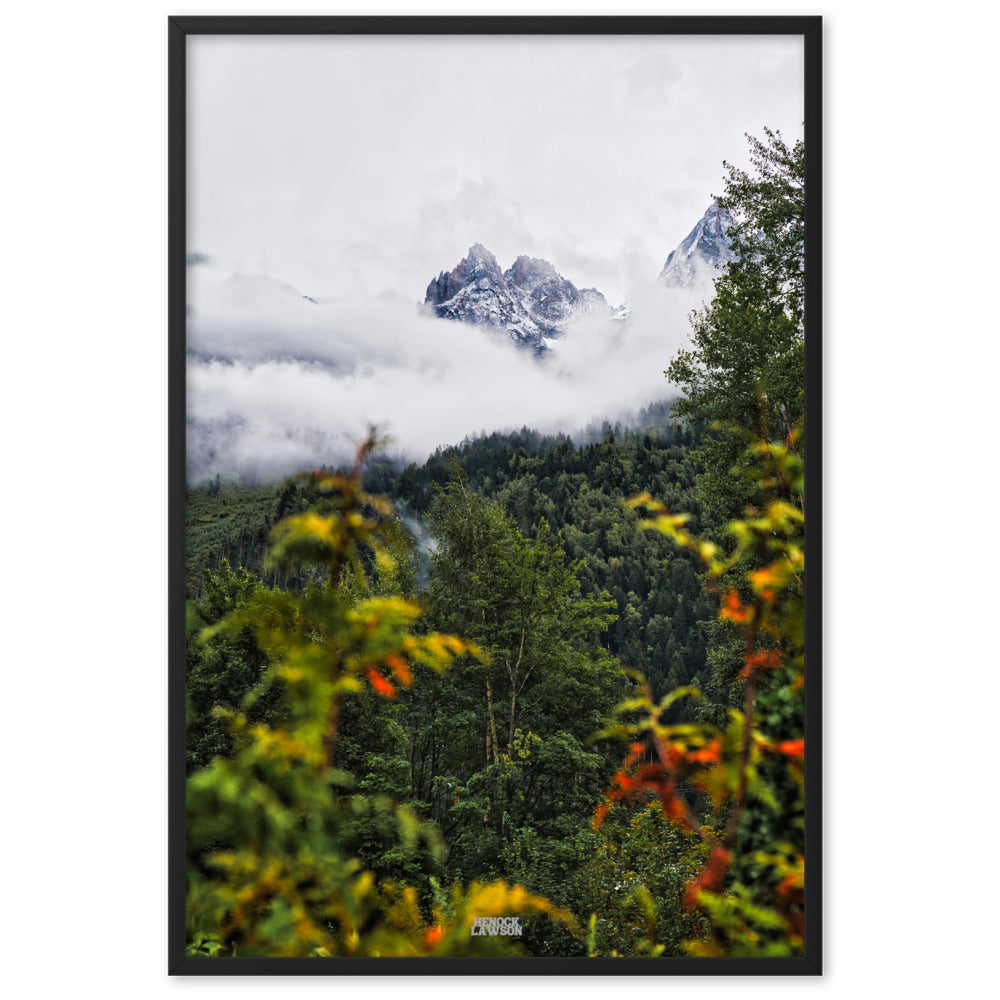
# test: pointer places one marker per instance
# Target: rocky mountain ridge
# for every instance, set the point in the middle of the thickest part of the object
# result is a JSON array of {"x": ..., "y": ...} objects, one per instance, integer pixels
[{"x": 530, "y": 301}]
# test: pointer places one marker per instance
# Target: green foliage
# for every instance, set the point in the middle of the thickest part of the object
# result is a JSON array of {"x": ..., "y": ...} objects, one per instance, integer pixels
[
  {"x": 751, "y": 769},
  {"x": 768, "y": 209},
  {"x": 223, "y": 670},
  {"x": 520, "y": 600},
  {"x": 225, "y": 521},
  {"x": 743, "y": 755},
  {"x": 270, "y": 871},
  {"x": 632, "y": 882}
]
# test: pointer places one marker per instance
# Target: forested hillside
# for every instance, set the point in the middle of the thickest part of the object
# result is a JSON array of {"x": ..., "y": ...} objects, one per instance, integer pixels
[{"x": 578, "y": 491}]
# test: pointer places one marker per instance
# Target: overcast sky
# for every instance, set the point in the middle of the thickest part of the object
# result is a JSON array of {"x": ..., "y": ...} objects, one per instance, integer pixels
[
  {"x": 356, "y": 169},
  {"x": 372, "y": 163}
]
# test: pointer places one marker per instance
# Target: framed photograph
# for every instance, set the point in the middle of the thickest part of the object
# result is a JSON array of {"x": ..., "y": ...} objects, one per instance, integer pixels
[{"x": 494, "y": 348}]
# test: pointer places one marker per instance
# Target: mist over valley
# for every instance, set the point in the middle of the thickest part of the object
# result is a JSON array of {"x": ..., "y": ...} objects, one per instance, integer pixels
[{"x": 279, "y": 381}]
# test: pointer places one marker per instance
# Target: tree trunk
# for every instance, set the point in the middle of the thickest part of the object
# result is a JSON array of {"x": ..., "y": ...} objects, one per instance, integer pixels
[
  {"x": 515, "y": 674},
  {"x": 491, "y": 720}
]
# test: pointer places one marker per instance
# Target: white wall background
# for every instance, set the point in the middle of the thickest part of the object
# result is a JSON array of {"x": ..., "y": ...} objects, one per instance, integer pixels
[{"x": 911, "y": 355}]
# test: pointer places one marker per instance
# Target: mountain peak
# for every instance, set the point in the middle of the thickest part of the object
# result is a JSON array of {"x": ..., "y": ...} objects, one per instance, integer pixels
[
  {"x": 478, "y": 254},
  {"x": 530, "y": 270},
  {"x": 530, "y": 301},
  {"x": 479, "y": 265},
  {"x": 701, "y": 253}
]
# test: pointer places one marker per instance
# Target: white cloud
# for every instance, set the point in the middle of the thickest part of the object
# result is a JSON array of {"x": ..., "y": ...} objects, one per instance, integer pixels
[
  {"x": 276, "y": 383},
  {"x": 374, "y": 162}
]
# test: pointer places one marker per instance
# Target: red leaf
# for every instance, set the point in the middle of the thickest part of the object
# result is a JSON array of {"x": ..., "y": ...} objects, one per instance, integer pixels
[
  {"x": 600, "y": 813},
  {"x": 733, "y": 609},
  {"x": 636, "y": 751},
  {"x": 710, "y": 754},
  {"x": 763, "y": 658},
  {"x": 711, "y": 879},
  {"x": 789, "y": 888},
  {"x": 794, "y": 748},
  {"x": 380, "y": 684},
  {"x": 400, "y": 668}
]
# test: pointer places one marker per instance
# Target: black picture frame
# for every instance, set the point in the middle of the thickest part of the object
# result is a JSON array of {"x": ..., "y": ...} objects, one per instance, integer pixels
[{"x": 179, "y": 30}]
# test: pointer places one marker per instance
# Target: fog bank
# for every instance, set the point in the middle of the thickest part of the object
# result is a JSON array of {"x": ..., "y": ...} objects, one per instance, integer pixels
[{"x": 277, "y": 382}]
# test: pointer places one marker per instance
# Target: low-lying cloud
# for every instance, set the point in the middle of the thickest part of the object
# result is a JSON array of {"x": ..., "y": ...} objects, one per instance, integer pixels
[{"x": 278, "y": 383}]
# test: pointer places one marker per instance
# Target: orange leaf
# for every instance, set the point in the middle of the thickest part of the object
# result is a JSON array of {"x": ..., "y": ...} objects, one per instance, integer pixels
[
  {"x": 625, "y": 782},
  {"x": 600, "y": 813},
  {"x": 789, "y": 888},
  {"x": 733, "y": 609},
  {"x": 763, "y": 658},
  {"x": 794, "y": 748},
  {"x": 673, "y": 808},
  {"x": 400, "y": 668},
  {"x": 635, "y": 752},
  {"x": 380, "y": 684},
  {"x": 711, "y": 879},
  {"x": 764, "y": 577},
  {"x": 710, "y": 754}
]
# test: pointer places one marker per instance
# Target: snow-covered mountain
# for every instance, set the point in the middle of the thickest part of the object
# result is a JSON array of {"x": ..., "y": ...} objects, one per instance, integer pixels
[
  {"x": 530, "y": 301},
  {"x": 701, "y": 253}
]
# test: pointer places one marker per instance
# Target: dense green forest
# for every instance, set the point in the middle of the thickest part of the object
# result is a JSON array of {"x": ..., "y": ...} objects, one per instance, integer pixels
[
  {"x": 660, "y": 603},
  {"x": 528, "y": 679}
]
